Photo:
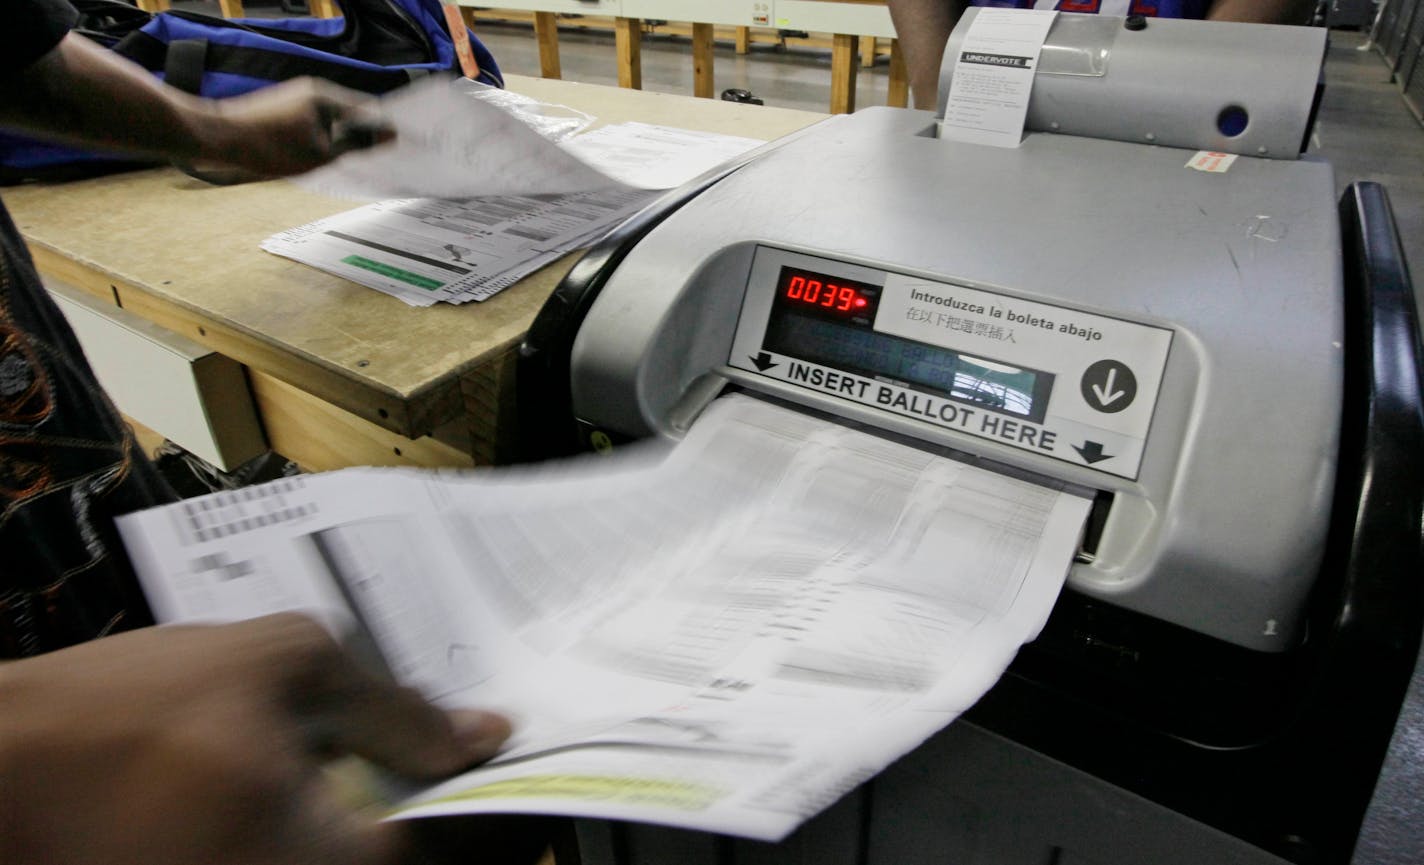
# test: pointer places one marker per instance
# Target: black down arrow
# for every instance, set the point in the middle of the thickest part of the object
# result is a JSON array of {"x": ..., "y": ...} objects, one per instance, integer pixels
[
  {"x": 1091, "y": 452},
  {"x": 763, "y": 361}
]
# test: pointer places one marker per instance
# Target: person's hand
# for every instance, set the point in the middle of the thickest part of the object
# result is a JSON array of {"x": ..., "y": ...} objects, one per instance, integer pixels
[
  {"x": 185, "y": 745},
  {"x": 288, "y": 128}
]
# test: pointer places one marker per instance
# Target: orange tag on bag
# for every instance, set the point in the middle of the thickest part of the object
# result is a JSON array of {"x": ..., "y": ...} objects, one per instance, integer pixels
[{"x": 468, "y": 66}]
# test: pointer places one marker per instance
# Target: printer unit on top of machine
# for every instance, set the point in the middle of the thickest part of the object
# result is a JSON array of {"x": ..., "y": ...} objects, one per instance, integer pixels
[{"x": 1230, "y": 360}]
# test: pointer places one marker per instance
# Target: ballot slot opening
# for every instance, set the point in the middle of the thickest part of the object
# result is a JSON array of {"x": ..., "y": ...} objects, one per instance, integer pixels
[
  {"x": 1093, "y": 529},
  {"x": 1097, "y": 515}
]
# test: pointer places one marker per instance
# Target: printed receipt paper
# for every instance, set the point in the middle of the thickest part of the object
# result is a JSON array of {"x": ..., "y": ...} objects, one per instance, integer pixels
[{"x": 726, "y": 634}]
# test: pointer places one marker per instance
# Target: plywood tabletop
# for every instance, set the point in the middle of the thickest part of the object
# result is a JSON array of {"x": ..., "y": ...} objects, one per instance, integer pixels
[{"x": 189, "y": 253}]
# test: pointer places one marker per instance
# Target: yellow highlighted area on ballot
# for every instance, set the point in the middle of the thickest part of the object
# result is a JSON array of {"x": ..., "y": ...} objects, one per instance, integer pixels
[{"x": 595, "y": 788}]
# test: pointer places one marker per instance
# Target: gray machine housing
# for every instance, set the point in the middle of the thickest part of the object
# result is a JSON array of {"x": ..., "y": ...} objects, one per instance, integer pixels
[
  {"x": 1222, "y": 526},
  {"x": 1169, "y": 82}
]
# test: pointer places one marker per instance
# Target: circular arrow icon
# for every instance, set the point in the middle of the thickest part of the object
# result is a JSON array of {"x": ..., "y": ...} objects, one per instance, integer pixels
[{"x": 1109, "y": 386}]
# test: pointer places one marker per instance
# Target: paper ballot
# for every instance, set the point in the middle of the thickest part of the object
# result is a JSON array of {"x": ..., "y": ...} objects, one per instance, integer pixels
[
  {"x": 502, "y": 191},
  {"x": 431, "y": 250},
  {"x": 656, "y": 157},
  {"x": 726, "y": 634},
  {"x": 451, "y": 142},
  {"x": 463, "y": 139}
]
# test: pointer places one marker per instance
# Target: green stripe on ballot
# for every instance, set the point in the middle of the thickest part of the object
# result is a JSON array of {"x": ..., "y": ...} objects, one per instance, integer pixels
[{"x": 405, "y": 276}]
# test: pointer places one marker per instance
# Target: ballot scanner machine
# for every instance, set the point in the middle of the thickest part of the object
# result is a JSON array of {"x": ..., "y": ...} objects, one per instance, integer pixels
[{"x": 1228, "y": 360}]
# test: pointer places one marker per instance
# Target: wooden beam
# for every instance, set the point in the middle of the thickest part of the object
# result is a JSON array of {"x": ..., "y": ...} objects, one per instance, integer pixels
[
  {"x": 546, "y": 32},
  {"x": 154, "y": 6},
  {"x": 319, "y": 436},
  {"x": 898, "y": 93},
  {"x": 490, "y": 417},
  {"x": 867, "y": 51},
  {"x": 230, "y": 8},
  {"x": 324, "y": 9},
  {"x": 843, "y": 51},
  {"x": 729, "y": 34},
  {"x": 702, "y": 61},
  {"x": 628, "y": 36}
]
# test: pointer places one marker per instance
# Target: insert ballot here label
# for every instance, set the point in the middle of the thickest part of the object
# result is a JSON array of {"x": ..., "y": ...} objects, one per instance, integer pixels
[{"x": 1099, "y": 375}]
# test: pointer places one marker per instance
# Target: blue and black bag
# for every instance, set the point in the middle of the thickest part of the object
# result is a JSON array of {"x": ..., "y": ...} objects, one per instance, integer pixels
[{"x": 377, "y": 46}]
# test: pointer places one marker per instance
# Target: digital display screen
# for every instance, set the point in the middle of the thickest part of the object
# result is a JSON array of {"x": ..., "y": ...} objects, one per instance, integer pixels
[
  {"x": 839, "y": 333},
  {"x": 829, "y": 296}
]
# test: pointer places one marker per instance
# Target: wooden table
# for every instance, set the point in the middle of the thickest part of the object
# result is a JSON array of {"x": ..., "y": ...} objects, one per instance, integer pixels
[{"x": 341, "y": 374}]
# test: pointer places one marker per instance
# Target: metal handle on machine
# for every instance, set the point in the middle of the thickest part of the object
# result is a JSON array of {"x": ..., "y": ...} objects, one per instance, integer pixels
[{"x": 1377, "y": 604}]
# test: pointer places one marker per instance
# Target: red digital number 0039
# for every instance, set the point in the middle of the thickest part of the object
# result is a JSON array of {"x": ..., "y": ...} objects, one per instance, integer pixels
[{"x": 841, "y": 298}]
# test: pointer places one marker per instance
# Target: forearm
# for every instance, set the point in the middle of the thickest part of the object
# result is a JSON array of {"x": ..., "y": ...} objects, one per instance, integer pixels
[
  {"x": 923, "y": 28},
  {"x": 83, "y": 93},
  {"x": 86, "y": 94}
]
